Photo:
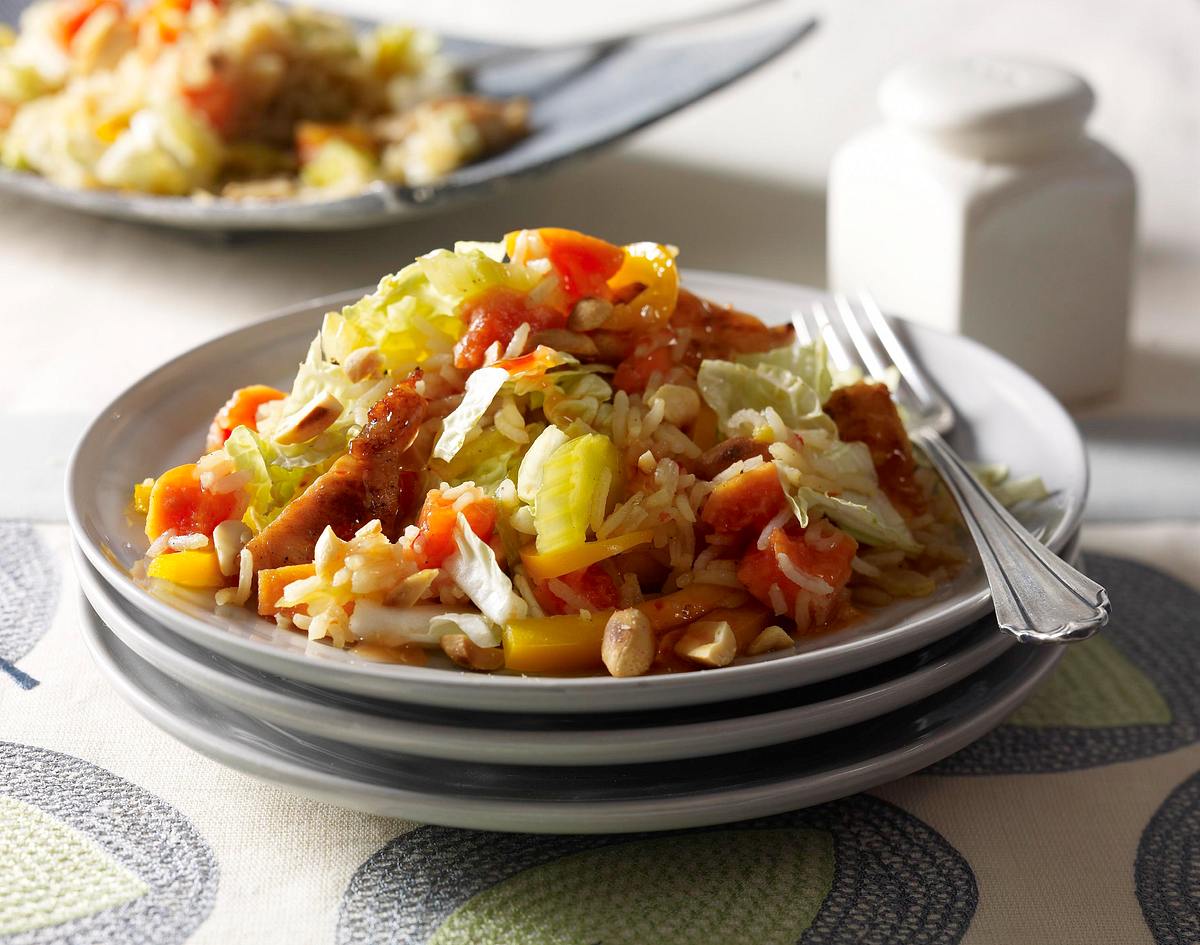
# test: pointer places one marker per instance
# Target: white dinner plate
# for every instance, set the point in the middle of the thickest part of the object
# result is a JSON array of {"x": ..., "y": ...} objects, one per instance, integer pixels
[
  {"x": 161, "y": 421},
  {"x": 593, "y": 799},
  {"x": 511, "y": 738}
]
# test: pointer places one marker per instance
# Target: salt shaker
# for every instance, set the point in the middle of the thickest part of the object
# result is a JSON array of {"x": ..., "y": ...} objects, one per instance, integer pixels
[{"x": 982, "y": 207}]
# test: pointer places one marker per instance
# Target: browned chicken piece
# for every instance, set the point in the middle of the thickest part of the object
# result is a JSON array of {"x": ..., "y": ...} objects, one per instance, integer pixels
[
  {"x": 716, "y": 460},
  {"x": 866, "y": 413},
  {"x": 375, "y": 479},
  {"x": 719, "y": 331}
]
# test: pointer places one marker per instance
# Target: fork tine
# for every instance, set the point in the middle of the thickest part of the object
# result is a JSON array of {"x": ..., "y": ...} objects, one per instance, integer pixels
[
  {"x": 909, "y": 371},
  {"x": 800, "y": 323},
  {"x": 862, "y": 344},
  {"x": 833, "y": 344}
]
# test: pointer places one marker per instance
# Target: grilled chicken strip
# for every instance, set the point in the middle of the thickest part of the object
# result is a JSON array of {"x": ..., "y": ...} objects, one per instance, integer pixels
[
  {"x": 375, "y": 479},
  {"x": 866, "y": 413}
]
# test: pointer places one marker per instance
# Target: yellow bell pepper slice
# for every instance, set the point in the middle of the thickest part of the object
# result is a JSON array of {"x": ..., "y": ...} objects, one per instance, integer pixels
[
  {"x": 652, "y": 266},
  {"x": 188, "y": 568},
  {"x": 543, "y": 567},
  {"x": 567, "y": 644},
  {"x": 141, "y": 496}
]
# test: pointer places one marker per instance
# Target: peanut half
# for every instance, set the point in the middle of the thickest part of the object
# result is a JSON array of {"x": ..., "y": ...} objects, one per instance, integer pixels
[{"x": 627, "y": 647}]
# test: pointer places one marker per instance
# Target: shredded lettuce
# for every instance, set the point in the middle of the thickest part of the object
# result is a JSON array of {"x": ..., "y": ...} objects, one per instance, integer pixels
[
  {"x": 482, "y": 387},
  {"x": 1007, "y": 491},
  {"x": 474, "y": 569},
  {"x": 809, "y": 362},
  {"x": 529, "y": 476},
  {"x": 728, "y": 387},
  {"x": 480, "y": 630},
  {"x": 871, "y": 519},
  {"x": 275, "y": 476},
  {"x": 486, "y": 461}
]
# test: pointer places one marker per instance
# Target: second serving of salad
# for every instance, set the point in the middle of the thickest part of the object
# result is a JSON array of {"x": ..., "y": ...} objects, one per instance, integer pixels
[
  {"x": 545, "y": 455},
  {"x": 234, "y": 98}
]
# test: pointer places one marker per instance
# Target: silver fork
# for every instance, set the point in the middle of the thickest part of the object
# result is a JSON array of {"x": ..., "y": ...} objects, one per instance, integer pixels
[{"x": 1038, "y": 597}]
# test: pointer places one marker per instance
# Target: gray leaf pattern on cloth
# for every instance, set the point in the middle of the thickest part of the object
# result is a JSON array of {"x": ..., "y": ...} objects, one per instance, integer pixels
[
  {"x": 149, "y": 876},
  {"x": 1128, "y": 693},
  {"x": 1167, "y": 867},
  {"x": 29, "y": 582},
  {"x": 885, "y": 876}
]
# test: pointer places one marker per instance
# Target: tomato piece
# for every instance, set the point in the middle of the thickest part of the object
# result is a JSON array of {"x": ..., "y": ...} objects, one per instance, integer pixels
[
  {"x": 592, "y": 583},
  {"x": 828, "y": 560},
  {"x": 240, "y": 410},
  {"x": 633, "y": 374},
  {"x": 216, "y": 100},
  {"x": 494, "y": 315},
  {"x": 177, "y": 501},
  {"x": 584, "y": 263},
  {"x": 748, "y": 500},
  {"x": 436, "y": 521}
]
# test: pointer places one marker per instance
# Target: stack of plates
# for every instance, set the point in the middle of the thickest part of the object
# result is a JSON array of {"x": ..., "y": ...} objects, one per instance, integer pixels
[{"x": 843, "y": 712}]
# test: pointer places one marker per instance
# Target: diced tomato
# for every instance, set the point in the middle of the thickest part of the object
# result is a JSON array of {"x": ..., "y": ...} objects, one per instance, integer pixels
[
  {"x": 584, "y": 263},
  {"x": 633, "y": 374},
  {"x": 216, "y": 100},
  {"x": 760, "y": 570},
  {"x": 494, "y": 315},
  {"x": 748, "y": 500},
  {"x": 72, "y": 16},
  {"x": 436, "y": 522},
  {"x": 241, "y": 410},
  {"x": 177, "y": 501},
  {"x": 593, "y": 584}
]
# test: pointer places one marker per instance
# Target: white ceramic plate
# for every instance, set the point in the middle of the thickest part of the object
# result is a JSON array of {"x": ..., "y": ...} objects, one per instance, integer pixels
[
  {"x": 625, "y": 738},
  {"x": 605, "y": 799},
  {"x": 160, "y": 422}
]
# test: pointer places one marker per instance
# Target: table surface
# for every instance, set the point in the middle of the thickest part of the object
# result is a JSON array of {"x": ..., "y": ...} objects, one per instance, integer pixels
[{"x": 87, "y": 306}]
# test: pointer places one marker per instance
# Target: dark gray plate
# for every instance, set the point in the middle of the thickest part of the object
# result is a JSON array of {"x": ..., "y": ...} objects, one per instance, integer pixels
[{"x": 582, "y": 100}]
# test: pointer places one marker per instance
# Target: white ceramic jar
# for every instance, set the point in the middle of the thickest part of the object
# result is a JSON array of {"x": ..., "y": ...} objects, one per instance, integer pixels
[{"x": 982, "y": 207}]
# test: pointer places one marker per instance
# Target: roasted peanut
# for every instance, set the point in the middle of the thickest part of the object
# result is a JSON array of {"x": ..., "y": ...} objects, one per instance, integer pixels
[
  {"x": 229, "y": 538},
  {"x": 362, "y": 363},
  {"x": 709, "y": 643},
  {"x": 680, "y": 404},
  {"x": 311, "y": 420},
  {"x": 772, "y": 638},
  {"x": 572, "y": 342},
  {"x": 588, "y": 314},
  {"x": 627, "y": 647},
  {"x": 461, "y": 650}
]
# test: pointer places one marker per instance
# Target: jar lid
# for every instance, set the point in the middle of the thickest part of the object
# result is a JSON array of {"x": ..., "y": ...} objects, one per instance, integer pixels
[{"x": 988, "y": 107}]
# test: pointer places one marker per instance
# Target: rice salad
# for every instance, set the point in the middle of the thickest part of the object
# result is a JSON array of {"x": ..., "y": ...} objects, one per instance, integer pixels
[
  {"x": 545, "y": 455},
  {"x": 234, "y": 98}
]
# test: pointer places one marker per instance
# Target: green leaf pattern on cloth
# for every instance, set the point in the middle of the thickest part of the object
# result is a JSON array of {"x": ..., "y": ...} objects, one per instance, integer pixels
[
  {"x": 682, "y": 887},
  {"x": 857, "y": 870},
  {"x": 51, "y": 873},
  {"x": 1128, "y": 693},
  {"x": 87, "y": 857},
  {"x": 1095, "y": 687}
]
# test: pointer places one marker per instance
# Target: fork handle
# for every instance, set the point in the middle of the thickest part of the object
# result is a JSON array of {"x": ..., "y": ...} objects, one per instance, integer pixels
[{"x": 1038, "y": 597}]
